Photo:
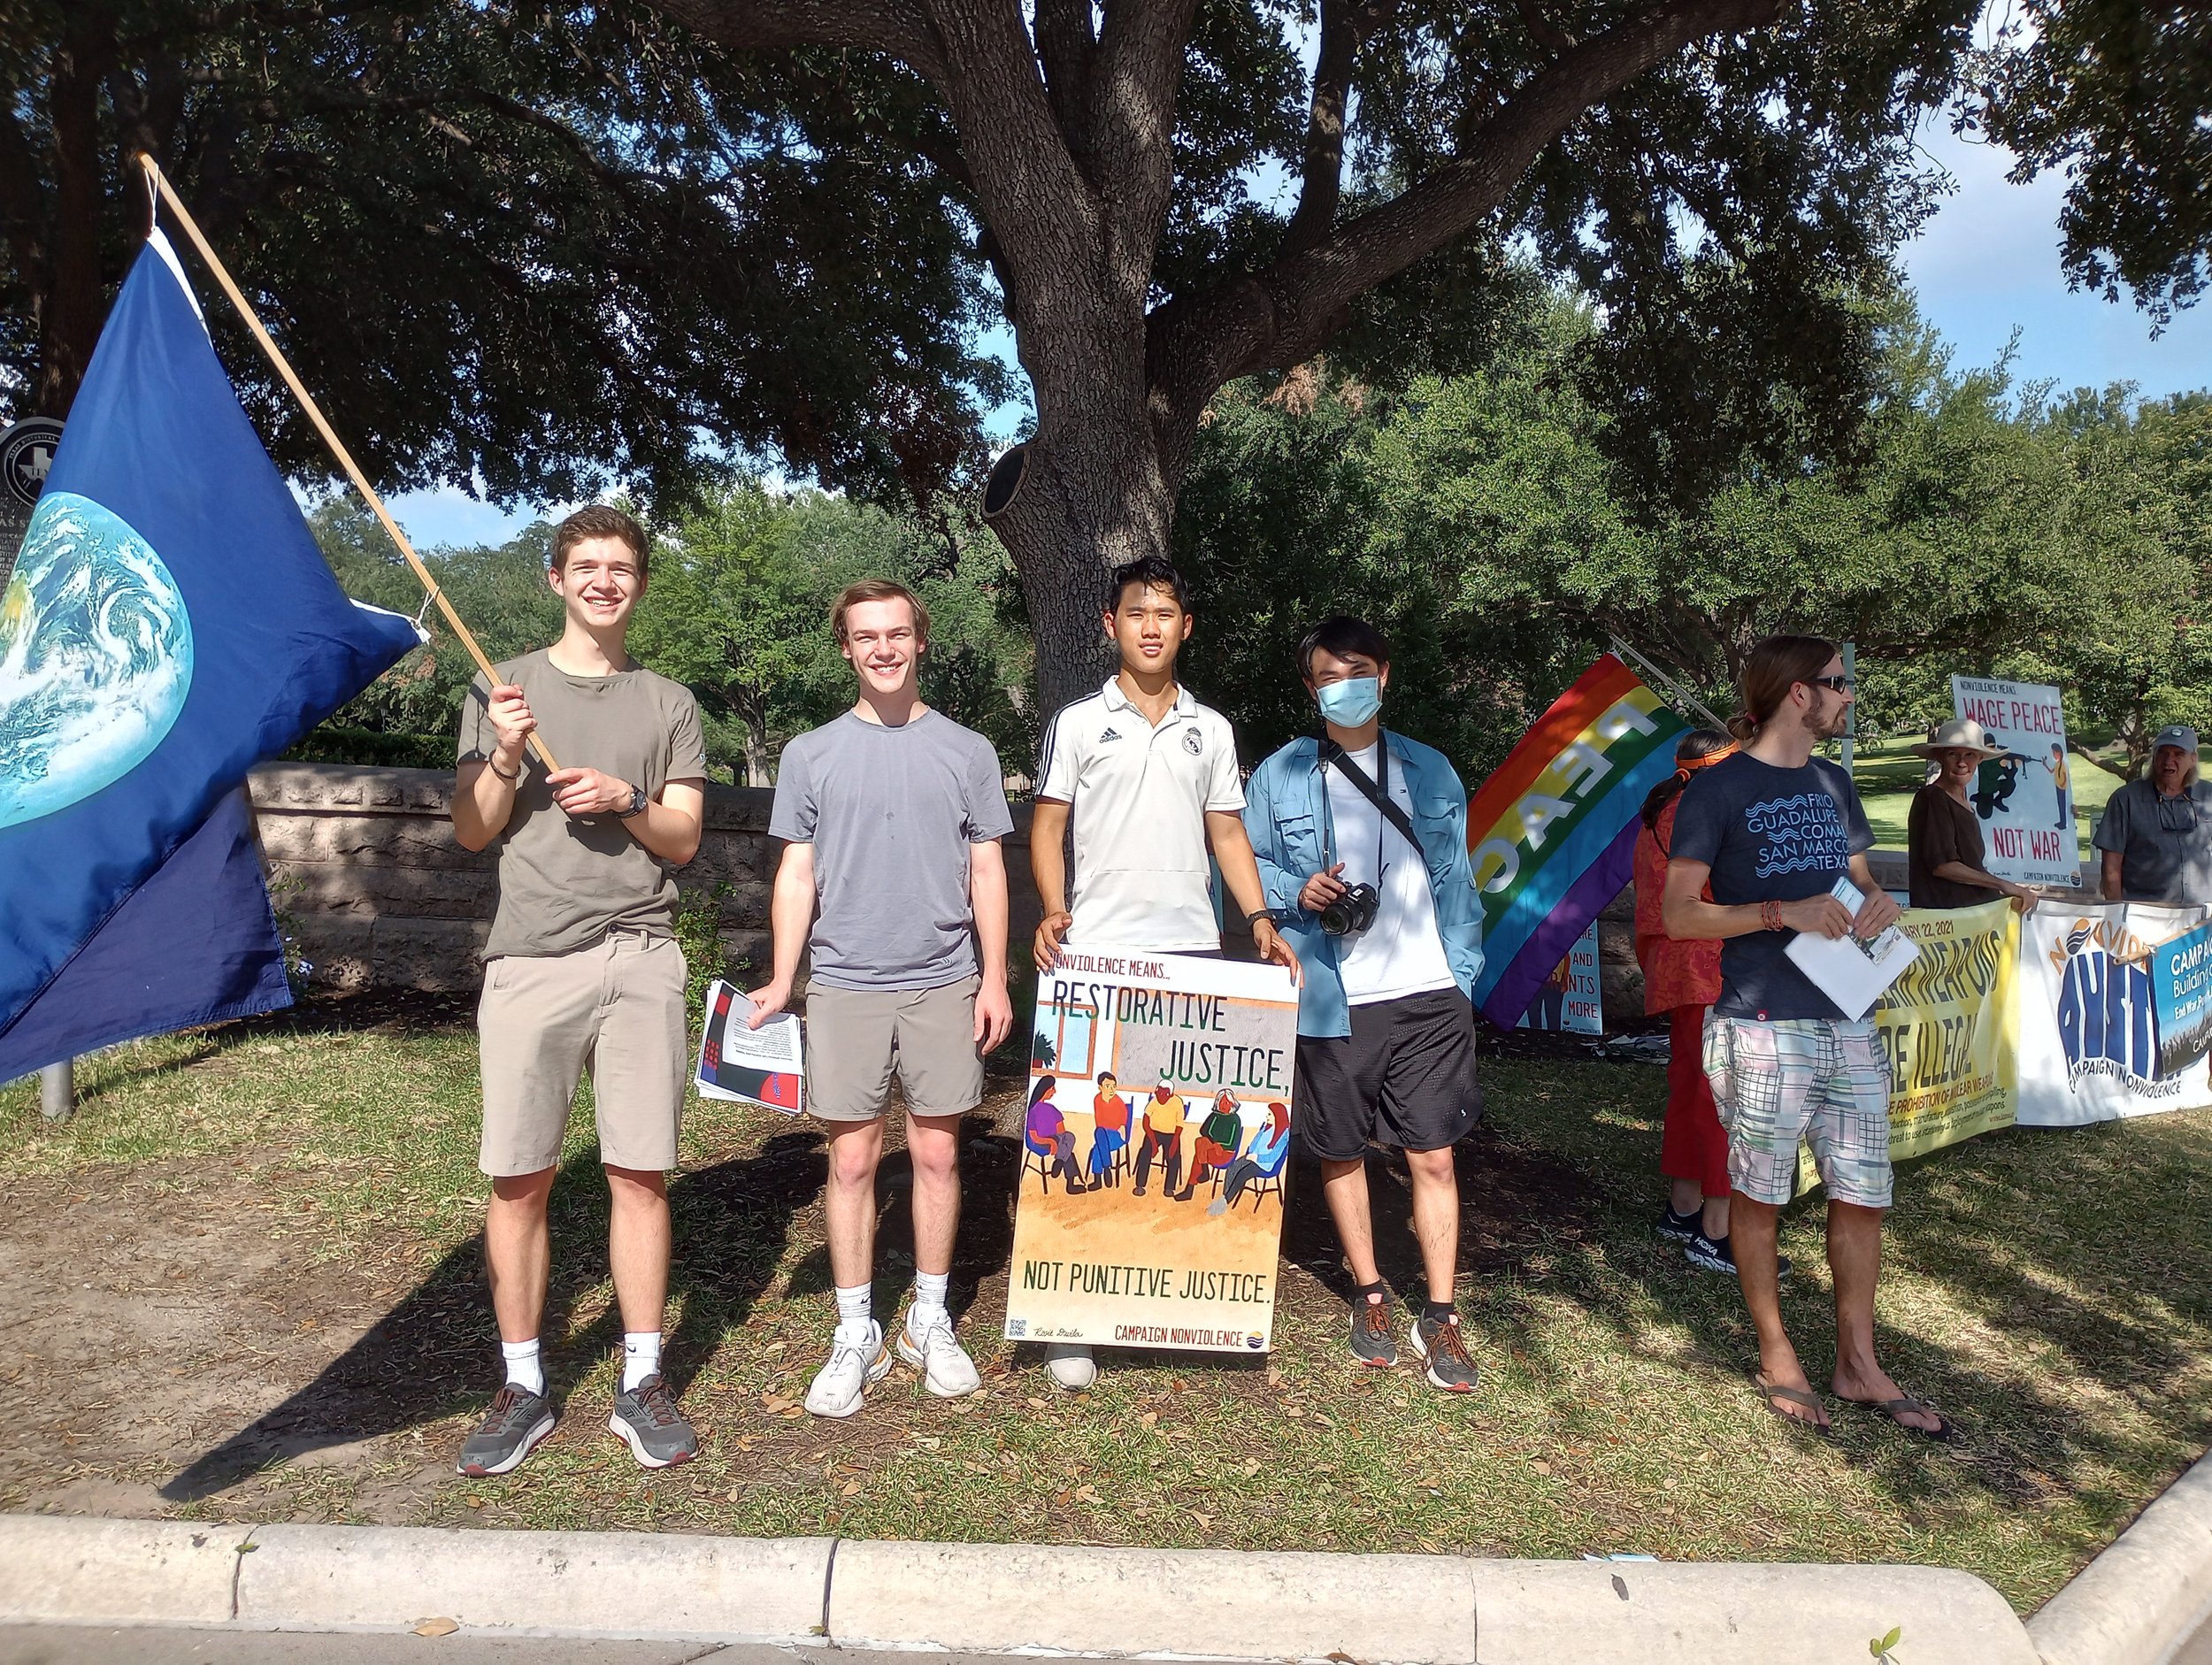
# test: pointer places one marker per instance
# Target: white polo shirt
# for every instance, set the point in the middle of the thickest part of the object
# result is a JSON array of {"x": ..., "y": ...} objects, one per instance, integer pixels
[{"x": 1140, "y": 797}]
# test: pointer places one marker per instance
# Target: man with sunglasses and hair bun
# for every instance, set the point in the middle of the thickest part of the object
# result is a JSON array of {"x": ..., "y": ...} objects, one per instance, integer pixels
[
  {"x": 2155, "y": 836},
  {"x": 1380, "y": 905},
  {"x": 1760, "y": 840}
]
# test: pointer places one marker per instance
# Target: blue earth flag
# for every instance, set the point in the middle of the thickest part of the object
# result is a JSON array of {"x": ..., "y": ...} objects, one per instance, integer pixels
[{"x": 169, "y": 623}]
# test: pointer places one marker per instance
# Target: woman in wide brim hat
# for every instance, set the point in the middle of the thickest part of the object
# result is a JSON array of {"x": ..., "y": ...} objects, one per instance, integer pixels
[
  {"x": 1960, "y": 734},
  {"x": 1943, "y": 836}
]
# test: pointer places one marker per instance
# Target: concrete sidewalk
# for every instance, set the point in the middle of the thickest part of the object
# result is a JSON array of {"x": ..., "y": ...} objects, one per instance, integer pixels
[
  {"x": 135, "y": 1592},
  {"x": 981, "y": 1598},
  {"x": 72, "y": 1644}
]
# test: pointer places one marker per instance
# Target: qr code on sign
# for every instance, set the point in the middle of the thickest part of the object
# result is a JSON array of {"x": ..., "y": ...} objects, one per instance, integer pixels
[{"x": 1017, "y": 1328}]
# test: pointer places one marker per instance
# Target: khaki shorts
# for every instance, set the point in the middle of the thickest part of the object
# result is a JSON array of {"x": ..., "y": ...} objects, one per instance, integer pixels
[
  {"x": 619, "y": 1006},
  {"x": 856, "y": 1036}
]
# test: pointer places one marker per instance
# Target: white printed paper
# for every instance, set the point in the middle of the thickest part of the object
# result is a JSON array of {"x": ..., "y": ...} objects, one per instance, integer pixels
[
  {"x": 765, "y": 1066},
  {"x": 1848, "y": 972}
]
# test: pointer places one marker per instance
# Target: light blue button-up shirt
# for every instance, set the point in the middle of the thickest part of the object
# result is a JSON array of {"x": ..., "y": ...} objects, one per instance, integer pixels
[{"x": 1286, "y": 811}]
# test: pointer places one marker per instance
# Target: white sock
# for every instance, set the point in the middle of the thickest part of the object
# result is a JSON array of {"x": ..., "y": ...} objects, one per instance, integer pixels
[
  {"x": 640, "y": 1357},
  {"x": 929, "y": 1301},
  {"x": 525, "y": 1367},
  {"x": 854, "y": 1313}
]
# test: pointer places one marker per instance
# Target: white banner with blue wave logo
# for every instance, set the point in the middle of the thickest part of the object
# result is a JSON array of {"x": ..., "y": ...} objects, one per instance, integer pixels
[{"x": 2089, "y": 1017}]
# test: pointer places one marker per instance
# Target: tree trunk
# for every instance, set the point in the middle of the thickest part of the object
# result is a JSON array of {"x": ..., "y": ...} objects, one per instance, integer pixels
[
  {"x": 1089, "y": 501},
  {"x": 69, "y": 312}
]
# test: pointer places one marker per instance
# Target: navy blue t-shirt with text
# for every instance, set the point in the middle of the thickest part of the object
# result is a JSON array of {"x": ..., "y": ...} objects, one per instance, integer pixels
[{"x": 1769, "y": 834}]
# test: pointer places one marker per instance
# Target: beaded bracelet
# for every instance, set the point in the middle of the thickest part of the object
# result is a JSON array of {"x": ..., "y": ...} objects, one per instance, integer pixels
[{"x": 1770, "y": 916}]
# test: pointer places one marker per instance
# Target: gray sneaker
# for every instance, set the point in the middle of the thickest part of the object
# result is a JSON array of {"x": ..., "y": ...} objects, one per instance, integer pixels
[
  {"x": 652, "y": 1426},
  {"x": 1451, "y": 1367},
  {"x": 518, "y": 1420},
  {"x": 1371, "y": 1332}
]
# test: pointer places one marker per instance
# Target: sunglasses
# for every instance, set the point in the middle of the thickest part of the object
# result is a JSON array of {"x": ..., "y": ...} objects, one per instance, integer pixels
[{"x": 1834, "y": 684}]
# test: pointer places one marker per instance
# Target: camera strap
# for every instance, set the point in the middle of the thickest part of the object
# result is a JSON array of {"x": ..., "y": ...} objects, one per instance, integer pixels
[{"x": 1380, "y": 797}]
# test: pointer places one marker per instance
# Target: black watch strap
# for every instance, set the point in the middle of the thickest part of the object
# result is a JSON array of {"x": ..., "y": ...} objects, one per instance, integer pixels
[
  {"x": 1273, "y": 915},
  {"x": 638, "y": 801}
]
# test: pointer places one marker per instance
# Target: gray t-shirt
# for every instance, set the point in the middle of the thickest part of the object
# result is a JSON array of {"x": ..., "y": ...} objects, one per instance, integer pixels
[
  {"x": 565, "y": 883},
  {"x": 2164, "y": 844},
  {"x": 891, "y": 813},
  {"x": 1769, "y": 834}
]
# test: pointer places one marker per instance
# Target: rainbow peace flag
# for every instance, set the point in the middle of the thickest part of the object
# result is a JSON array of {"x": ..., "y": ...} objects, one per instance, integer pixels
[{"x": 1553, "y": 832}]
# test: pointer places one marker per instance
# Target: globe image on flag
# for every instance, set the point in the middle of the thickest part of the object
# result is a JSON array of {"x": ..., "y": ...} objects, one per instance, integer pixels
[{"x": 96, "y": 658}]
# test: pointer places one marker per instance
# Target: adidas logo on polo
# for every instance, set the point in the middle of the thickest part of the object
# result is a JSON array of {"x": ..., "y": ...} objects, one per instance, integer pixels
[{"x": 1109, "y": 734}]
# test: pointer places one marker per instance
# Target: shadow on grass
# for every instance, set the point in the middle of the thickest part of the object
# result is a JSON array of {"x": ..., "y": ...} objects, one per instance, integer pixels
[
  {"x": 2074, "y": 1259},
  {"x": 432, "y": 1356}
]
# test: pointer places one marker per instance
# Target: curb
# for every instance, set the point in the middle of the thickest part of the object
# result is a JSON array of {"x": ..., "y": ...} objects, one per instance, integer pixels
[
  {"x": 2146, "y": 1594},
  {"x": 975, "y": 1598}
]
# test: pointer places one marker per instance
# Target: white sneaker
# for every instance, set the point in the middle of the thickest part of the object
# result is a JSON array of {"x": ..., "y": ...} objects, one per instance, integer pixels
[
  {"x": 1070, "y": 1365},
  {"x": 947, "y": 1369},
  {"x": 839, "y": 1385}
]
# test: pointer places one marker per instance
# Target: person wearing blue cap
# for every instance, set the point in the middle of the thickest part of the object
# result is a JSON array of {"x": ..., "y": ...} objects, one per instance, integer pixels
[{"x": 2157, "y": 831}]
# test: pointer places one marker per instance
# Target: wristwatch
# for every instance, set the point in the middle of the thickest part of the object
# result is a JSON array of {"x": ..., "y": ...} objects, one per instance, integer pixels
[
  {"x": 1273, "y": 915},
  {"x": 638, "y": 801}
]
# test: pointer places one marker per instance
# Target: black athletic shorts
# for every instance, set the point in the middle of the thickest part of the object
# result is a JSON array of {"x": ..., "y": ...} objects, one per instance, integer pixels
[{"x": 1405, "y": 1076}]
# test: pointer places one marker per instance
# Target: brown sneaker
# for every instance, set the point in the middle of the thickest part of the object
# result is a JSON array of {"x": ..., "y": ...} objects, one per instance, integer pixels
[
  {"x": 1451, "y": 1367},
  {"x": 1371, "y": 1332}
]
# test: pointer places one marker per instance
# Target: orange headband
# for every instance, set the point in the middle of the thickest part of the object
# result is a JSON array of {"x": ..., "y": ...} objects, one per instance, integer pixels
[{"x": 1684, "y": 771}]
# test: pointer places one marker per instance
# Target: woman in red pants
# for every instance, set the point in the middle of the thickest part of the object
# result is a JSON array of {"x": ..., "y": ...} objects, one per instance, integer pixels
[{"x": 1682, "y": 979}]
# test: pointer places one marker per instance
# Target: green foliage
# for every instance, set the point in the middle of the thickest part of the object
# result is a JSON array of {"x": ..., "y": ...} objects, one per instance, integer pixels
[
  {"x": 526, "y": 248},
  {"x": 2114, "y": 94},
  {"x": 411, "y": 714},
  {"x": 1880, "y": 1646},
  {"x": 706, "y": 956},
  {"x": 1483, "y": 520},
  {"x": 739, "y": 607}
]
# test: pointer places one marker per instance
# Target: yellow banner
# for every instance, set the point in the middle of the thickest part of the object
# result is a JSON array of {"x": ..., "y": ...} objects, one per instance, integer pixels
[{"x": 1948, "y": 1029}]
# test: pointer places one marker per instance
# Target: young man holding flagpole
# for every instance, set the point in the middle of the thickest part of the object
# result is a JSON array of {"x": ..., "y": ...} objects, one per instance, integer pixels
[
  {"x": 582, "y": 965},
  {"x": 1150, "y": 777}
]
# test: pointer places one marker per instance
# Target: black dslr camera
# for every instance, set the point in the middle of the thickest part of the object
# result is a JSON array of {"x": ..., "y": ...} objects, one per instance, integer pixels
[{"x": 1354, "y": 911}]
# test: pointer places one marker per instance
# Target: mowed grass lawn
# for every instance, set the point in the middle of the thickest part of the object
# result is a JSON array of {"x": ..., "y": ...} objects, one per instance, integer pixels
[
  {"x": 1888, "y": 774},
  {"x": 2052, "y": 1291}
]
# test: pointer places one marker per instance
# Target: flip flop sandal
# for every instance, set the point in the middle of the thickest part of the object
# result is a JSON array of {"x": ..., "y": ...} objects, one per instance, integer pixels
[
  {"x": 1897, "y": 1409},
  {"x": 1774, "y": 1394}
]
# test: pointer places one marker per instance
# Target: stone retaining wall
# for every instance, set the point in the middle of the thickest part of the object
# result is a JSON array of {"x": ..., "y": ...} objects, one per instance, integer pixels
[{"x": 376, "y": 891}]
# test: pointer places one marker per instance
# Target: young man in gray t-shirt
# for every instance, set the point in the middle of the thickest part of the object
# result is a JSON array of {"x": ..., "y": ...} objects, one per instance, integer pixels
[
  {"x": 582, "y": 964},
  {"x": 893, "y": 877}
]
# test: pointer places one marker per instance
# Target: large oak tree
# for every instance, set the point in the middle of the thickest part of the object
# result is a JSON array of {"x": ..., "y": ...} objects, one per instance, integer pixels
[{"x": 1720, "y": 174}]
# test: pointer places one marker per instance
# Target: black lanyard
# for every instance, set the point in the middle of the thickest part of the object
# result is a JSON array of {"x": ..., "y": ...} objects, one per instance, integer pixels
[{"x": 1377, "y": 792}]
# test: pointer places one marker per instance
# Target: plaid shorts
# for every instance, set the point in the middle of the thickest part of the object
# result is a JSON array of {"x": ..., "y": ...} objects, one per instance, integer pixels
[{"x": 1801, "y": 1080}]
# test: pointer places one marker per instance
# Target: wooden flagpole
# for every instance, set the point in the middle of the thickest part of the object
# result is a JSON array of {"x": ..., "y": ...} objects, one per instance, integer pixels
[{"x": 322, "y": 426}]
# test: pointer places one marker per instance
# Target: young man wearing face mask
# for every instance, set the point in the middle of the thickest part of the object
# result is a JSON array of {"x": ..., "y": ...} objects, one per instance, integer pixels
[{"x": 1382, "y": 910}]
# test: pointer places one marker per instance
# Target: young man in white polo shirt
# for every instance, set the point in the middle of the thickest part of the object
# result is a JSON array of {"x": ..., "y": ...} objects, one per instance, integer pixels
[{"x": 1149, "y": 777}]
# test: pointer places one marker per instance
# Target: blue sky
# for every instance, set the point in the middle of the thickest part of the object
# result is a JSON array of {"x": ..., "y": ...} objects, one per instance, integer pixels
[{"x": 1985, "y": 264}]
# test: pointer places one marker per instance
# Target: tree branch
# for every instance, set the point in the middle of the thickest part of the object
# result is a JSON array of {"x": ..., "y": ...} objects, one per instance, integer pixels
[
  {"x": 1138, "y": 69},
  {"x": 1543, "y": 30},
  {"x": 1344, "y": 27},
  {"x": 895, "y": 27},
  {"x": 1280, "y": 317},
  {"x": 1067, "y": 49}
]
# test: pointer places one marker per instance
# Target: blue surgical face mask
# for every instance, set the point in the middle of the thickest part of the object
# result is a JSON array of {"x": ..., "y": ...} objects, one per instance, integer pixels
[{"x": 1352, "y": 702}]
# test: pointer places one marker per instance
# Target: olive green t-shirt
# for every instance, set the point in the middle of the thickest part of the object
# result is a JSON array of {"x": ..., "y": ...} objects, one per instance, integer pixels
[{"x": 566, "y": 882}]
